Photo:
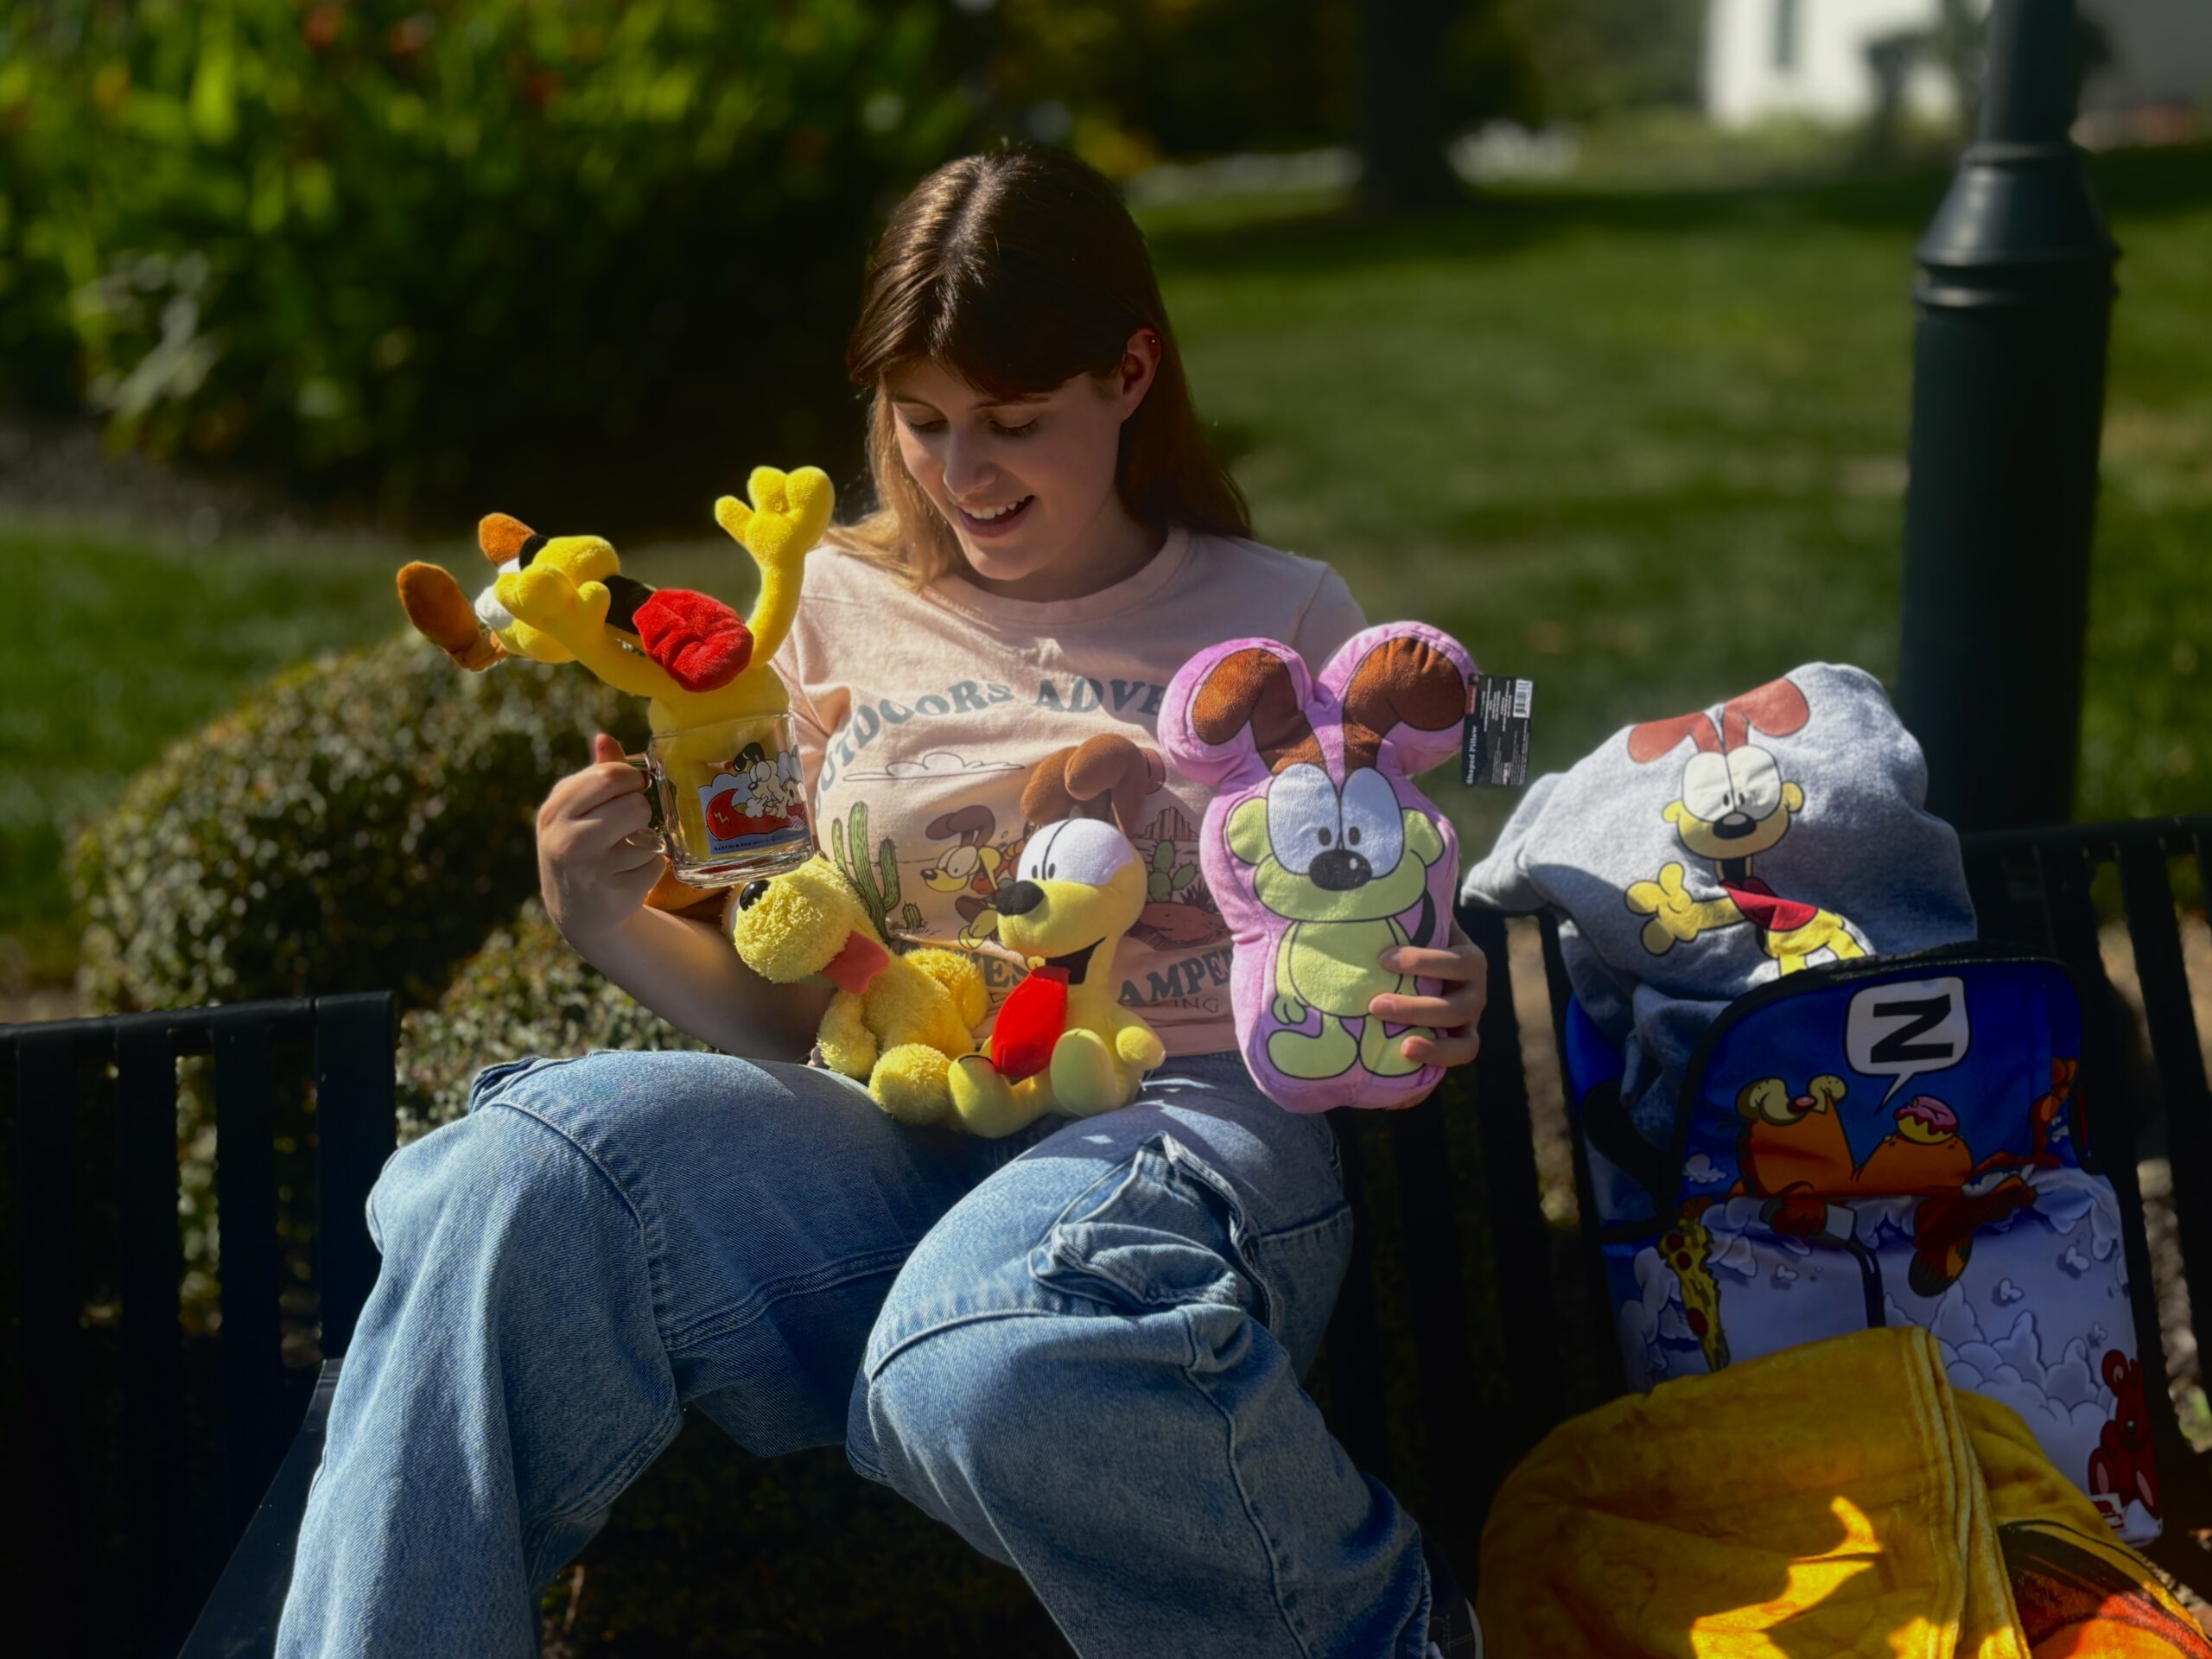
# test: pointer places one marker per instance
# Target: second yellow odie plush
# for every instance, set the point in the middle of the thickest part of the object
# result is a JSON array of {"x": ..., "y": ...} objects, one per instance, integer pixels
[{"x": 897, "y": 1022}]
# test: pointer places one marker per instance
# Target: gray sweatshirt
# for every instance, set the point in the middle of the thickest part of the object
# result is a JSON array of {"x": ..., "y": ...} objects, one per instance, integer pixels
[{"x": 1697, "y": 857}]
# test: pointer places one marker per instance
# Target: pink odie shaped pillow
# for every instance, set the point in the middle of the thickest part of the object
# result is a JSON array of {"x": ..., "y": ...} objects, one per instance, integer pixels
[{"x": 1319, "y": 849}]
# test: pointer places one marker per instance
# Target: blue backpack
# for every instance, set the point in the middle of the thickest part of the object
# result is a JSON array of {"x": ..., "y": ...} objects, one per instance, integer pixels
[{"x": 1890, "y": 1140}]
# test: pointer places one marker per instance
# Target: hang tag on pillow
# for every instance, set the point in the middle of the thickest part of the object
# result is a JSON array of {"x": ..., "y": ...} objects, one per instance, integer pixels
[{"x": 1496, "y": 747}]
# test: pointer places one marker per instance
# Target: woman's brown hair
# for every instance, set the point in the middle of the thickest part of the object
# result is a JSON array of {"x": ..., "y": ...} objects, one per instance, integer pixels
[{"x": 1017, "y": 270}]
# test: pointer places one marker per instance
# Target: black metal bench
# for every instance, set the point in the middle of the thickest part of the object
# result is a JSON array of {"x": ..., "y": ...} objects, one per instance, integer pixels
[{"x": 1452, "y": 1218}]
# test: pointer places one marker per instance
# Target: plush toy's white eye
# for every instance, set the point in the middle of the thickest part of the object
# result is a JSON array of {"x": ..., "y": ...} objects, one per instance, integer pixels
[
  {"x": 1086, "y": 851},
  {"x": 1757, "y": 781},
  {"x": 1707, "y": 789},
  {"x": 1374, "y": 826},
  {"x": 492, "y": 615},
  {"x": 1304, "y": 818}
]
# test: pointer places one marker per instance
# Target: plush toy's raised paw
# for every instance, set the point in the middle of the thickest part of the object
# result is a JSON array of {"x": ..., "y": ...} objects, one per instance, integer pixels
[{"x": 789, "y": 510}]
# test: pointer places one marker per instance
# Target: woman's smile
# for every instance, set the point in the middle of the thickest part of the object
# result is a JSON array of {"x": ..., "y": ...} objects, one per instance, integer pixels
[{"x": 1026, "y": 481}]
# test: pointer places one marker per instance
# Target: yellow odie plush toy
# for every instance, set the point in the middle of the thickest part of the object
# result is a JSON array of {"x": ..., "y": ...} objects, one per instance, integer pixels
[
  {"x": 897, "y": 1022},
  {"x": 560, "y": 599},
  {"x": 1063, "y": 1041}
]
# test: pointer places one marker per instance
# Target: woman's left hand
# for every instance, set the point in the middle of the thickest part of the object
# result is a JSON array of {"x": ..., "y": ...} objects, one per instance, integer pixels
[{"x": 1463, "y": 972}]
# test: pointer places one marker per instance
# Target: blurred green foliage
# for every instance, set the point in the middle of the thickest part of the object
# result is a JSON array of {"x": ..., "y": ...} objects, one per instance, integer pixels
[
  {"x": 419, "y": 250},
  {"x": 358, "y": 824},
  {"x": 523, "y": 993}
]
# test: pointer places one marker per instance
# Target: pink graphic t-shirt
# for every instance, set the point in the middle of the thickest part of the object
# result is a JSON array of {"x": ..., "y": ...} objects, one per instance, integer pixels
[{"x": 920, "y": 715}]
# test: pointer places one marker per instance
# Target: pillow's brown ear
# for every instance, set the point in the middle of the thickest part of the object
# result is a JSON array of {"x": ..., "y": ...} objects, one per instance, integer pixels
[
  {"x": 1254, "y": 688},
  {"x": 1404, "y": 681}
]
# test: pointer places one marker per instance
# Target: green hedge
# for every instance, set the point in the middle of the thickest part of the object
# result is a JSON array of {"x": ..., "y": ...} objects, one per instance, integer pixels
[
  {"x": 359, "y": 823},
  {"x": 442, "y": 253},
  {"x": 523, "y": 992}
]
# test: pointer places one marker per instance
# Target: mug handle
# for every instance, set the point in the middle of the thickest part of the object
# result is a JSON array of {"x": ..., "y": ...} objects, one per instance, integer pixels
[{"x": 654, "y": 821}]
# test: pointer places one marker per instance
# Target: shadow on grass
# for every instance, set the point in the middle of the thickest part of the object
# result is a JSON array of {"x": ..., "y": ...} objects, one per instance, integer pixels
[{"x": 2129, "y": 184}]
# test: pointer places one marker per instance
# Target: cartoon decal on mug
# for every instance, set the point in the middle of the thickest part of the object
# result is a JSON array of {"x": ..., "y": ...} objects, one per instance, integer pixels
[{"x": 756, "y": 800}]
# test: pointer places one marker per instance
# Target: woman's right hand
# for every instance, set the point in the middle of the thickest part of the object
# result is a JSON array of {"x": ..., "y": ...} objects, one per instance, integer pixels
[{"x": 597, "y": 858}]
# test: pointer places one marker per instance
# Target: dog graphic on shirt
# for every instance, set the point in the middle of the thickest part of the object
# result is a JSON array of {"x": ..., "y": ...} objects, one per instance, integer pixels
[{"x": 1733, "y": 806}]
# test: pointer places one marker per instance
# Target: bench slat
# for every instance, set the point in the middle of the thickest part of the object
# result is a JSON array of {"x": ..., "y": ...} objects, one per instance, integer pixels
[
  {"x": 49, "y": 1456},
  {"x": 355, "y": 1132},
  {"x": 1437, "y": 1313},
  {"x": 2148, "y": 895},
  {"x": 1354, "y": 1342},
  {"x": 2114, "y": 1125},
  {"x": 155, "y": 1475},
  {"x": 1521, "y": 1259},
  {"x": 254, "y": 1418}
]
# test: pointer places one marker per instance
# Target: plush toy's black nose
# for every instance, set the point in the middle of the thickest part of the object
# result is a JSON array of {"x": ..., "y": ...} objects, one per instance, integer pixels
[
  {"x": 751, "y": 894},
  {"x": 1020, "y": 899},
  {"x": 1735, "y": 824},
  {"x": 1338, "y": 870}
]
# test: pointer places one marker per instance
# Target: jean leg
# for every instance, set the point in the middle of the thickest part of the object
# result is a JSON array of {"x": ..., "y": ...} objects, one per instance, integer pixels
[
  {"x": 597, "y": 1242},
  {"x": 1090, "y": 1369}
]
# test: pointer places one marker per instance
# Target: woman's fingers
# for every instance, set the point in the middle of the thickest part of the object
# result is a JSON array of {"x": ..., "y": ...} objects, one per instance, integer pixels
[
  {"x": 1464, "y": 961},
  {"x": 582, "y": 793},
  {"x": 616, "y": 820},
  {"x": 1446, "y": 1013},
  {"x": 1450, "y": 1016},
  {"x": 1446, "y": 1049}
]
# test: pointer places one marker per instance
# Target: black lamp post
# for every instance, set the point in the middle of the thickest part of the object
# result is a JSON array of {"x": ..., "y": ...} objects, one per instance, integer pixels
[{"x": 2015, "y": 295}]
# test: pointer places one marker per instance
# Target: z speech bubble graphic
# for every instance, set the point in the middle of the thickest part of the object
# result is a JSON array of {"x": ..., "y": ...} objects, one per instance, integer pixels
[{"x": 1899, "y": 1030}]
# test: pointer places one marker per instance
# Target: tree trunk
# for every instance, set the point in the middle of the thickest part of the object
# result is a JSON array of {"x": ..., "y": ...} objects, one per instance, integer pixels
[{"x": 1404, "y": 124}]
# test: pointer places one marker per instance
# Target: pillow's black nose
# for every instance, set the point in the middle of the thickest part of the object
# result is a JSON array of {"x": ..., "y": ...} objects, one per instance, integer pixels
[{"x": 751, "y": 894}]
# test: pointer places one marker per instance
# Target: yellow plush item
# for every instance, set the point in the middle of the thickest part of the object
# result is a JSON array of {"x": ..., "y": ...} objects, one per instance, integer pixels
[
  {"x": 1080, "y": 887},
  {"x": 568, "y": 583},
  {"x": 897, "y": 1022},
  {"x": 563, "y": 594},
  {"x": 1836, "y": 1499}
]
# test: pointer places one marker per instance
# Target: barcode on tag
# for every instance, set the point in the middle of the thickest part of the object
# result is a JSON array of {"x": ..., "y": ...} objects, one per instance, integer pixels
[{"x": 1497, "y": 747}]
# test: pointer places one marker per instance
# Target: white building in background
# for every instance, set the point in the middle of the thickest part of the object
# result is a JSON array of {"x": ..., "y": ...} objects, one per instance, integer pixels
[{"x": 1765, "y": 58}]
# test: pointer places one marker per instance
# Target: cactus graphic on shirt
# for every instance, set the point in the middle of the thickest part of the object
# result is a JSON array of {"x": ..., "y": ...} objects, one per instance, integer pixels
[
  {"x": 1164, "y": 877},
  {"x": 876, "y": 881}
]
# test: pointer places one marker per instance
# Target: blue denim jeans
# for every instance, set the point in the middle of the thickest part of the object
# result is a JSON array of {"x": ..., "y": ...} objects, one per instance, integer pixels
[{"x": 1080, "y": 1347}]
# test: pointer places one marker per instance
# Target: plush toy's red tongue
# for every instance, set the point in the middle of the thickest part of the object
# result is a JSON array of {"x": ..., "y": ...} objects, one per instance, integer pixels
[
  {"x": 1030, "y": 1021},
  {"x": 860, "y": 961},
  {"x": 698, "y": 639}
]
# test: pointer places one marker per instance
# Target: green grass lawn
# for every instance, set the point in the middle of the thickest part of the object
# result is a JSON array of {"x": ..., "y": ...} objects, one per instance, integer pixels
[{"x": 1645, "y": 449}]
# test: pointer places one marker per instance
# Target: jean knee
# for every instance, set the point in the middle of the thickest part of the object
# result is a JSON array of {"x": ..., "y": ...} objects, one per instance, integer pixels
[{"x": 494, "y": 1181}]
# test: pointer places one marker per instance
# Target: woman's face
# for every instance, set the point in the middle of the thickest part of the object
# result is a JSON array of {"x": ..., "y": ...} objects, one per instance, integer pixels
[{"x": 1025, "y": 485}]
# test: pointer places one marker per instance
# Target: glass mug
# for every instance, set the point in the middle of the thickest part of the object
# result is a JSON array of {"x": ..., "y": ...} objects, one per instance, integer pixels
[{"x": 729, "y": 800}]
